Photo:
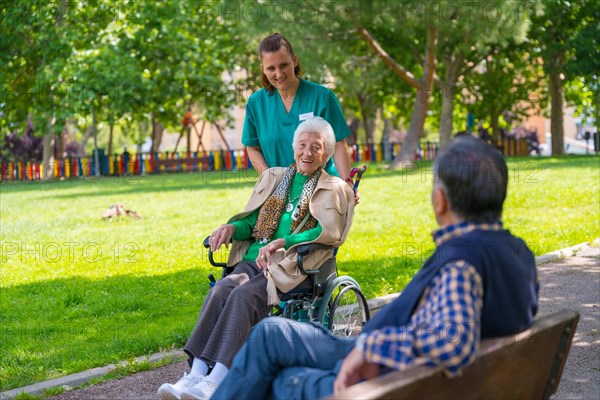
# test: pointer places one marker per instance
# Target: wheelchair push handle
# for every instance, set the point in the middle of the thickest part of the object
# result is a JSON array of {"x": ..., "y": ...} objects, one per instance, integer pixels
[{"x": 359, "y": 173}]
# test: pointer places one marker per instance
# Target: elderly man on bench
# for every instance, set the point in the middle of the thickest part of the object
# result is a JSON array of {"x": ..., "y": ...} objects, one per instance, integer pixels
[{"x": 481, "y": 282}]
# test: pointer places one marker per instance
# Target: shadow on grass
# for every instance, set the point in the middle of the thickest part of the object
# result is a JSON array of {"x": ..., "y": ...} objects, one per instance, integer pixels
[
  {"x": 145, "y": 185},
  {"x": 222, "y": 180},
  {"x": 135, "y": 184},
  {"x": 62, "y": 326},
  {"x": 568, "y": 162}
]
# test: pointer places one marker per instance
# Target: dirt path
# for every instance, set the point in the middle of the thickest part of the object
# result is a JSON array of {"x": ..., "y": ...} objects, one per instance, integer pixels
[{"x": 572, "y": 283}]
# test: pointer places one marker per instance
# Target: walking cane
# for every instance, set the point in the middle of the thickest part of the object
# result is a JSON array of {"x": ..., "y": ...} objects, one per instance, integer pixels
[{"x": 359, "y": 173}]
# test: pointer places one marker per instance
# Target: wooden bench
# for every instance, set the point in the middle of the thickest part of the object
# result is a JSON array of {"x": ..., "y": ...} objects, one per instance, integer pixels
[
  {"x": 173, "y": 164},
  {"x": 524, "y": 366}
]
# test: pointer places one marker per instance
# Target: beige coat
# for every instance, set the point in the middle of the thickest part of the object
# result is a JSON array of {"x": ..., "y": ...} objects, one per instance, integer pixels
[{"x": 332, "y": 204}]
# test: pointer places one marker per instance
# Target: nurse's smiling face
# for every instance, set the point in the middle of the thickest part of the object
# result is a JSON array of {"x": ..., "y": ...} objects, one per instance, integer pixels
[
  {"x": 279, "y": 67},
  {"x": 309, "y": 152}
]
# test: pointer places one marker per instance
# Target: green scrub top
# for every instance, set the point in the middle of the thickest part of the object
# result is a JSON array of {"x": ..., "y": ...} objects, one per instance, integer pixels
[{"x": 270, "y": 127}]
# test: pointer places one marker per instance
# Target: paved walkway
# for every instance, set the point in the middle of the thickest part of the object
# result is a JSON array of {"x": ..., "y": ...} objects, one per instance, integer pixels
[{"x": 572, "y": 282}]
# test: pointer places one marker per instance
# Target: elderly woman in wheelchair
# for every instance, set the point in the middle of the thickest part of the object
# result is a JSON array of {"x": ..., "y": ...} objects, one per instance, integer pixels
[{"x": 290, "y": 210}]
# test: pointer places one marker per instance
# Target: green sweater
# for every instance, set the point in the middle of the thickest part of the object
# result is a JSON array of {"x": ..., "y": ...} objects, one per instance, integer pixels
[{"x": 244, "y": 226}]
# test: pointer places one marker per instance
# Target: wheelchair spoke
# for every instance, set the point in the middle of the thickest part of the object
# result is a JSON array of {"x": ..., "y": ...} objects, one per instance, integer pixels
[{"x": 349, "y": 312}]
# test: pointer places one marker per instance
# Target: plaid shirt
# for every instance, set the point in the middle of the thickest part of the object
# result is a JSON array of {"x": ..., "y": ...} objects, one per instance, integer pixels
[{"x": 444, "y": 329}]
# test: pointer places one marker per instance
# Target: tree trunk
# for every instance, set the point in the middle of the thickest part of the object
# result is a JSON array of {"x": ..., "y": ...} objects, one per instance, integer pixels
[
  {"x": 88, "y": 132},
  {"x": 387, "y": 128},
  {"x": 143, "y": 132},
  {"x": 421, "y": 104},
  {"x": 385, "y": 138},
  {"x": 556, "y": 112},
  {"x": 363, "y": 102},
  {"x": 189, "y": 139},
  {"x": 29, "y": 128},
  {"x": 597, "y": 137},
  {"x": 157, "y": 132},
  {"x": 110, "y": 139},
  {"x": 95, "y": 132},
  {"x": 48, "y": 153},
  {"x": 446, "y": 117},
  {"x": 60, "y": 145},
  {"x": 371, "y": 130},
  {"x": 59, "y": 149},
  {"x": 153, "y": 122},
  {"x": 494, "y": 116},
  {"x": 415, "y": 132},
  {"x": 452, "y": 64},
  {"x": 353, "y": 126}
]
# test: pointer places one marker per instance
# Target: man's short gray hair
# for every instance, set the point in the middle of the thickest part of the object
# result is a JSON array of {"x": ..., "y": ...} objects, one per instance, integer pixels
[{"x": 319, "y": 125}]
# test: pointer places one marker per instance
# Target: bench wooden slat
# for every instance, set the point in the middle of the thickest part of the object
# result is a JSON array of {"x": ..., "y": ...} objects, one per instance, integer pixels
[{"x": 524, "y": 366}]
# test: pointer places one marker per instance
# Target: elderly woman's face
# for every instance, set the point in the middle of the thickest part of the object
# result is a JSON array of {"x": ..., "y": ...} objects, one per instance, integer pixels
[{"x": 309, "y": 152}]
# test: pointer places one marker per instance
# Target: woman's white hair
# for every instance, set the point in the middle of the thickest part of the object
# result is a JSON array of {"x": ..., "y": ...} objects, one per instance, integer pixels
[{"x": 318, "y": 125}]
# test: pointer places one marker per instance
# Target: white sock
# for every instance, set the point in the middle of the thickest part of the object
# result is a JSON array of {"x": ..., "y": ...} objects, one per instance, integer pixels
[
  {"x": 199, "y": 367},
  {"x": 219, "y": 372}
]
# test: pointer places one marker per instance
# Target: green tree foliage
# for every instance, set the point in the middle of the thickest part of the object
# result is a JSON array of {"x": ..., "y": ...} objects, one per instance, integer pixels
[
  {"x": 125, "y": 59},
  {"x": 471, "y": 33},
  {"x": 583, "y": 68},
  {"x": 141, "y": 64},
  {"x": 557, "y": 34},
  {"x": 37, "y": 39},
  {"x": 378, "y": 51},
  {"x": 331, "y": 40},
  {"x": 508, "y": 80}
]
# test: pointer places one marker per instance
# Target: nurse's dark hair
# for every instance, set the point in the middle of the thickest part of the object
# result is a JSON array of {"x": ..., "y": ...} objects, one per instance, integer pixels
[{"x": 271, "y": 44}]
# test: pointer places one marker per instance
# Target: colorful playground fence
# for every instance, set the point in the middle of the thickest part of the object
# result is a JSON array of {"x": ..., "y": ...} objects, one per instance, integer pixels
[
  {"x": 35, "y": 170},
  {"x": 155, "y": 163}
]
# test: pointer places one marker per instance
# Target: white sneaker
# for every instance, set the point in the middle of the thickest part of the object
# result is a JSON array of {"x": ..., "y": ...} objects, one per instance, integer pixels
[
  {"x": 202, "y": 391},
  {"x": 173, "y": 392}
]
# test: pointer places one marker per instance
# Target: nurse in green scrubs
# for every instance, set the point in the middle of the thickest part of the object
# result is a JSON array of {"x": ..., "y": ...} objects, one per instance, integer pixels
[{"x": 274, "y": 112}]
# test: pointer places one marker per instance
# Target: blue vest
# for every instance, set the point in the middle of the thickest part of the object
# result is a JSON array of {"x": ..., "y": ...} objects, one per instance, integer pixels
[{"x": 508, "y": 273}]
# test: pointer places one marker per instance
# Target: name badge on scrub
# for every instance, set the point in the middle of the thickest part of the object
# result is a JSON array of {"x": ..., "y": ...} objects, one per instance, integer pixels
[{"x": 305, "y": 116}]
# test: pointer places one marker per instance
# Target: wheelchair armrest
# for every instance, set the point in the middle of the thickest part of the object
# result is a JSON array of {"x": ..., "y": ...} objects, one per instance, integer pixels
[
  {"x": 304, "y": 250},
  {"x": 307, "y": 248},
  {"x": 210, "y": 254}
]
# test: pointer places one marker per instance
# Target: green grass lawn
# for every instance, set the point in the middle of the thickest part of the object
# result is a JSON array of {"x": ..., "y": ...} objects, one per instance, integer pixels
[{"x": 78, "y": 292}]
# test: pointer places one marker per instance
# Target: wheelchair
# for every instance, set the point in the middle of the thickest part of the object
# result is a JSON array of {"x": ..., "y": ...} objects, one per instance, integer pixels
[{"x": 334, "y": 302}]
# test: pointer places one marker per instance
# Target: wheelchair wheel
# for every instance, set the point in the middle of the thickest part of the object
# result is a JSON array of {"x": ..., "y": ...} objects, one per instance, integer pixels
[
  {"x": 348, "y": 313},
  {"x": 344, "y": 309}
]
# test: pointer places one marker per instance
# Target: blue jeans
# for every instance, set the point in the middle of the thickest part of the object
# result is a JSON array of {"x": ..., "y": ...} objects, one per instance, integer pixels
[{"x": 285, "y": 359}]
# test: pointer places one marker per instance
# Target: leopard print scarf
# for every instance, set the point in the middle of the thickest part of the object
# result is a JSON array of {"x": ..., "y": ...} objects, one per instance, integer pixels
[{"x": 271, "y": 211}]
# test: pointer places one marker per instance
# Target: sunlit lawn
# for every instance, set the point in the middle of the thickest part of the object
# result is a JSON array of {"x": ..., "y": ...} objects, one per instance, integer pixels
[{"x": 79, "y": 292}]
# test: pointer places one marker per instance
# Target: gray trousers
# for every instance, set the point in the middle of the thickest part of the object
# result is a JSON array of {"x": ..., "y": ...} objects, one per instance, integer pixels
[{"x": 232, "y": 307}]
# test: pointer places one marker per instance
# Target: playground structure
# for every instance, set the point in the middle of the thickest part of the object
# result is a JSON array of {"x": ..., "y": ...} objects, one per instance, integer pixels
[{"x": 188, "y": 123}]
